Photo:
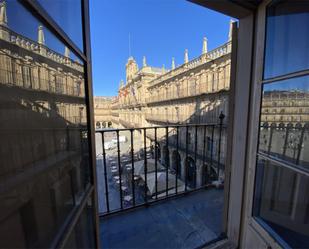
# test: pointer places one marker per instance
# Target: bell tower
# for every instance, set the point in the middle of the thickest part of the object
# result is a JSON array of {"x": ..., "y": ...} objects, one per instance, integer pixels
[{"x": 131, "y": 69}]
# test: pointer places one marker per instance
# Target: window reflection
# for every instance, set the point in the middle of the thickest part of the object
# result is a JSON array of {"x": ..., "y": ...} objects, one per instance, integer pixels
[
  {"x": 287, "y": 36},
  {"x": 68, "y": 15},
  {"x": 83, "y": 234},
  {"x": 43, "y": 148},
  {"x": 285, "y": 120},
  {"x": 282, "y": 201},
  {"x": 28, "y": 34}
]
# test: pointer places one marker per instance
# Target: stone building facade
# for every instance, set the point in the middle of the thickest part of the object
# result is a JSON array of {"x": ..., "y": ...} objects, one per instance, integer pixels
[
  {"x": 285, "y": 107},
  {"x": 102, "y": 112}
]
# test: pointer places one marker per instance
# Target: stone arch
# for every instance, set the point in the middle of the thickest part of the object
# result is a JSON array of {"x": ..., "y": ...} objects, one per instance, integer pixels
[
  {"x": 190, "y": 167},
  {"x": 109, "y": 124},
  {"x": 176, "y": 162},
  {"x": 98, "y": 125},
  {"x": 281, "y": 126}
]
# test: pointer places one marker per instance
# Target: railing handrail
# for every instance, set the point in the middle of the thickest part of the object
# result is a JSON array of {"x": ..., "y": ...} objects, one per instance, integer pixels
[{"x": 164, "y": 126}]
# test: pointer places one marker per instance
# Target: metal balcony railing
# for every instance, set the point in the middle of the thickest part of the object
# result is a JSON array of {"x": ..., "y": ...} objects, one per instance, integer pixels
[
  {"x": 138, "y": 173},
  {"x": 285, "y": 141}
]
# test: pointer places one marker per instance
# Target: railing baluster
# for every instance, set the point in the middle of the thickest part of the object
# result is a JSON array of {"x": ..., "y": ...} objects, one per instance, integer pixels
[
  {"x": 285, "y": 145},
  {"x": 221, "y": 117},
  {"x": 300, "y": 143},
  {"x": 204, "y": 152},
  {"x": 195, "y": 155},
  {"x": 166, "y": 161},
  {"x": 132, "y": 169},
  {"x": 186, "y": 163},
  {"x": 73, "y": 191},
  {"x": 177, "y": 161},
  {"x": 212, "y": 146},
  {"x": 270, "y": 138},
  {"x": 156, "y": 162},
  {"x": 119, "y": 170},
  {"x": 145, "y": 166},
  {"x": 105, "y": 174}
]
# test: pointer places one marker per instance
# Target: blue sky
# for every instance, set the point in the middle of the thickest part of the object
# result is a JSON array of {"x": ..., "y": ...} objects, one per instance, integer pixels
[{"x": 159, "y": 29}]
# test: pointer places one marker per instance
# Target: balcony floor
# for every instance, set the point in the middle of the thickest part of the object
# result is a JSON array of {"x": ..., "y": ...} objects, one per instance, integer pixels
[{"x": 188, "y": 221}]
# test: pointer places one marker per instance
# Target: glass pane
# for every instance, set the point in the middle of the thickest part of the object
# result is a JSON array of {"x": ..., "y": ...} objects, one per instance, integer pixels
[
  {"x": 83, "y": 234},
  {"x": 282, "y": 202},
  {"x": 284, "y": 120},
  {"x": 68, "y": 15},
  {"x": 44, "y": 166},
  {"x": 32, "y": 33},
  {"x": 287, "y": 35}
]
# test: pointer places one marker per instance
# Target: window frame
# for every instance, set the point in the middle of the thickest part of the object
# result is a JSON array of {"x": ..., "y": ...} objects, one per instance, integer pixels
[{"x": 270, "y": 237}]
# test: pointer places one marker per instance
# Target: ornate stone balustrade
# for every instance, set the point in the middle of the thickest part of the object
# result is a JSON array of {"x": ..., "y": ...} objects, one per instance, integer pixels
[
  {"x": 33, "y": 46},
  {"x": 212, "y": 55}
]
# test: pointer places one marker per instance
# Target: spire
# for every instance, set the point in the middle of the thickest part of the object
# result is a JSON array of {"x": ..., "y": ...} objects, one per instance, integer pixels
[
  {"x": 231, "y": 30},
  {"x": 173, "y": 63},
  {"x": 205, "y": 45},
  {"x": 3, "y": 16},
  {"x": 163, "y": 68},
  {"x": 66, "y": 52},
  {"x": 186, "y": 56},
  {"x": 41, "y": 39},
  {"x": 144, "y": 61}
]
